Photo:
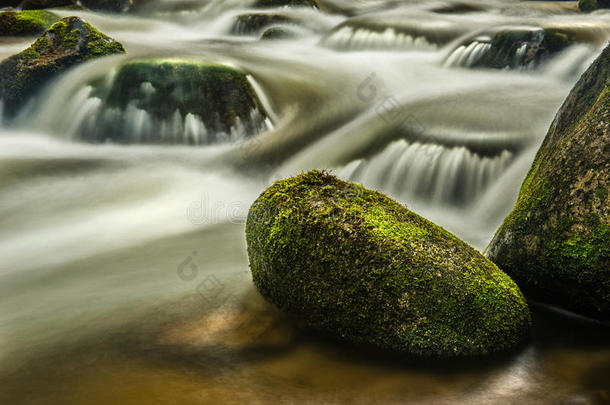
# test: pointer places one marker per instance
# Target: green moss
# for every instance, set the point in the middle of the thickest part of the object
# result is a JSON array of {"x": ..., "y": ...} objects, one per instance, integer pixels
[
  {"x": 555, "y": 241},
  {"x": 557, "y": 40},
  {"x": 68, "y": 42},
  {"x": 353, "y": 262},
  {"x": 29, "y": 22}
]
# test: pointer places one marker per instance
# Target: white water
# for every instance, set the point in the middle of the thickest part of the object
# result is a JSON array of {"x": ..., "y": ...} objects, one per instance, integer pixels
[{"x": 93, "y": 235}]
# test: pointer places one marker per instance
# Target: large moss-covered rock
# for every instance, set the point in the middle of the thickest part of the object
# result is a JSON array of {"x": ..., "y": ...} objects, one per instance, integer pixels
[
  {"x": 176, "y": 101},
  {"x": 20, "y": 23},
  {"x": 353, "y": 262},
  {"x": 67, "y": 43},
  {"x": 556, "y": 241}
]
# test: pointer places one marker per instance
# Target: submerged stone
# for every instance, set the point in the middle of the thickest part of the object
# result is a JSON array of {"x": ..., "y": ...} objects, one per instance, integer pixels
[
  {"x": 592, "y": 5},
  {"x": 176, "y": 101},
  {"x": 355, "y": 263},
  {"x": 21, "y": 23},
  {"x": 285, "y": 3},
  {"x": 256, "y": 22},
  {"x": 67, "y": 43},
  {"x": 556, "y": 241},
  {"x": 278, "y": 33}
]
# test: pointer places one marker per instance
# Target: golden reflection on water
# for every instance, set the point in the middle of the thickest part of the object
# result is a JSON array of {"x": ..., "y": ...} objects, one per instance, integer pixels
[{"x": 253, "y": 354}]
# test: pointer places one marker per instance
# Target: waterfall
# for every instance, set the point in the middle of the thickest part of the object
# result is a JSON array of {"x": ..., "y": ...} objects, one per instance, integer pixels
[
  {"x": 468, "y": 55},
  {"x": 434, "y": 173},
  {"x": 348, "y": 38}
]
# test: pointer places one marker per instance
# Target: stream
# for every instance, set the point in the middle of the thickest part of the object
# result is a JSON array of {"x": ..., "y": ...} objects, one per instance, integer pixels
[{"x": 124, "y": 275}]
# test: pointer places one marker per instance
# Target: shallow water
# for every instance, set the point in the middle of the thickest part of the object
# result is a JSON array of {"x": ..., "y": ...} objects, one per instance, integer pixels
[{"x": 124, "y": 276}]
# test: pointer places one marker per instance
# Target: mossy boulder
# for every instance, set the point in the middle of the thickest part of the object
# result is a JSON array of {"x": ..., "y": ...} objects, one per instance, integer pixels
[
  {"x": 355, "y": 263},
  {"x": 165, "y": 92},
  {"x": 67, "y": 43},
  {"x": 556, "y": 241},
  {"x": 285, "y": 3},
  {"x": 23, "y": 23}
]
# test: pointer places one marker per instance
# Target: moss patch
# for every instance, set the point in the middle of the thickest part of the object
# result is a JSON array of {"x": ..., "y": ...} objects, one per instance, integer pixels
[
  {"x": 22, "y": 23},
  {"x": 67, "y": 43},
  {"x": 353, "y": 262}
]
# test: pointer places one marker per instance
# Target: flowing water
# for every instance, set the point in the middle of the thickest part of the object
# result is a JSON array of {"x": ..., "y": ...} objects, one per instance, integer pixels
[{"x": 123, "y": 272}]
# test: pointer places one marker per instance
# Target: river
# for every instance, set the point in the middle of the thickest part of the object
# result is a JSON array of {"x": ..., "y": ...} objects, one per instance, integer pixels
[{"x": 124, "y": 276}]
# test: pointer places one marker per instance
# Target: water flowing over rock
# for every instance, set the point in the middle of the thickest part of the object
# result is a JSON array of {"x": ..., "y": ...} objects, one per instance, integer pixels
[
  {"x": 278, "y": 33},
  {"x": 67, "y": 43},
  {"x": 429, "y": 172},
  {"x": 353, "y": 262},
  {"x": 17, "y": 23},
  {"x": 254, "y": 23},
  {"x": 556, "y": 241},
  {"x": 170, "y": 101},
  {"x": 510, "y": 47},
  {"x": 389, "y": 31}
]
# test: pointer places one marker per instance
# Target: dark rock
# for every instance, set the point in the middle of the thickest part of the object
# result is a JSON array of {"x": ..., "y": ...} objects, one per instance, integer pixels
[
  {"x": 592, "y": 5},
  {"x": 277, "y": 33},
  {"x": 515, "y": 47},
  {"x": 255, "y": 23},
  {"x": 177, "y": 101},
  {"x": 67, "y": 43},
  {"x": 556, "y": 241},
  {"x": 113, "y": 6},
  {"x": 42, "y": 4}
]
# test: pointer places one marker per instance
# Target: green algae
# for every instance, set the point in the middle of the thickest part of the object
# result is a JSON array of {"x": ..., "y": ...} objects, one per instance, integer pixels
[{"x": 28, "y": 22}]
